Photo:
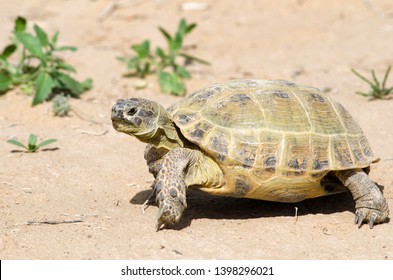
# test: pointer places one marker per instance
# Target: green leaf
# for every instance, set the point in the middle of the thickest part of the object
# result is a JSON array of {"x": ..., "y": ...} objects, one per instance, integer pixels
[
  {"x": 122, "y": 59},
  {"x": 193, "y": 58},
  {"x": 176, "y": 44},
  {"x": 182, "y": 72},
  {"x": 20, "y": 24},
  {"x": 165, "y": 81},
  {"x": 8, "y": 51},
  {"x": 182, "y": 27},
  {"x": 31, "y": 43},
  {"x": 43, "y": 85},
  {"x": 133, "y": 63},
  {"x": 46, "y": 142},
  {"x": 178, "y": 87},
  {"x": 32, "y": 140},
  {"x": 143, "y": 49},
  {"x": 362, "y": 77},
  {"x": 5, "y": 82},
  {"x": 160, "y": 53},
  {"x": 17, "y": 143},
  {"x": 69, "y": 83},
  {"x": 65, "y": 66},
  {"x": 87, "y": 84},
  {"x": 386, "y": 77},
  {"x": 54, "y": 39},
  {"x": 190, "y": 27},
  {"x": 166, "y": 34},
  {"x": 171, "y": 83},
  {"x": 66, "y": 48},
  {"x": 42, "y": 36}
]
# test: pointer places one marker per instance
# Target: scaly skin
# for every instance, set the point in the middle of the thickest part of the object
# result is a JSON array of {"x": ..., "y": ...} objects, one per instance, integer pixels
[
  {"x": 371, "y": 206},
  {"x": 170, "y": 187},
  {"x": 180, "y": 168}
]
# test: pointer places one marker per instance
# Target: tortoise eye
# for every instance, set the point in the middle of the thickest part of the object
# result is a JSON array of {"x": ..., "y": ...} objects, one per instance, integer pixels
[{"x": 132, "y": 111}]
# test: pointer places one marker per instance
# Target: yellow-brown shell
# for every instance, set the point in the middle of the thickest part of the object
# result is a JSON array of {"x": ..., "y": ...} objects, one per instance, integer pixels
[{"x": 265, "y": 134}]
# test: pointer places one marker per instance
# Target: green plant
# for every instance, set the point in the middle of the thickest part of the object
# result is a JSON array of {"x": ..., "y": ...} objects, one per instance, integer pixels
[
  {"x": 378, "y": 90},
  {"x": 165, "y": 64},
  {"x": 61, "y": 105},
  {"x": 32, "y": 145},
  {"x": 38, "y": 69},
  {"x": 140, "y": 64}
]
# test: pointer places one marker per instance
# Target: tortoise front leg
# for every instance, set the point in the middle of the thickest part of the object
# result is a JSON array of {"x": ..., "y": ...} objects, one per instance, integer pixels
[
  {"x": 170, "y": 187},
  {"x": 371, "y": 206},
  {"x": 180, "y": 168},
  {"x": 153, "y": 157}
]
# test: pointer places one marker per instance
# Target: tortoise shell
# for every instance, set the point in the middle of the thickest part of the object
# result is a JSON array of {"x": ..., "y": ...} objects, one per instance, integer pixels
[{"x": 274, "y": 140}]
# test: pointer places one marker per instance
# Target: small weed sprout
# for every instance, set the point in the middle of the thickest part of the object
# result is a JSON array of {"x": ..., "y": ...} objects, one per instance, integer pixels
[
  {"x": 378, "y": 90},
  {"x": 32, "y": 145},
  {"x": 165, "y": 64},
  {"x": 39, "y": 70},
  {"x": 61, "y": 105}
]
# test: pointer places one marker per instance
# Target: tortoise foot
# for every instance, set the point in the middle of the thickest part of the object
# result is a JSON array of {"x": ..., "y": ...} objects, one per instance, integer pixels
[
  {"x": 371, "y": 208},
  {"x": 171, "y": 210},
  {"x": 370, "y": 216}
]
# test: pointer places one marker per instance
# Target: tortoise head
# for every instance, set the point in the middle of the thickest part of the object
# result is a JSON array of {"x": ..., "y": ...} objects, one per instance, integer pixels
[{"x": 146, "y": 120}]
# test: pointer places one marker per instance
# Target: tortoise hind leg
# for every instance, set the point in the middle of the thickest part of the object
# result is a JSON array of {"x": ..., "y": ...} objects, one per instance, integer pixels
[{"x": 371, "y": 206}]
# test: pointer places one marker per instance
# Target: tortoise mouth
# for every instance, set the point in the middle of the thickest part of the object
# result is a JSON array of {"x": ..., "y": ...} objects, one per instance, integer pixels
[{"x": 121, "y": 125}]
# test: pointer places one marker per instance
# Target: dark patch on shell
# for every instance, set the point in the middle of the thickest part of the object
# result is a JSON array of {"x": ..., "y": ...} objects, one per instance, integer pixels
[
  {"x": 197, "y": 134},
  {"x": 281, "y": 94},
  {"x": 203, "y": 96},
  {"x": 368, "y": 152},
  {"x": 199, "y": 131},
  {"x": 288, "y": 83},
  {"x": 320, "y": 165},
  {"x": 184, "y": 119},
  {"x": 294, "y": 163},
  {"x": 219, "y": 145},
  {"x": 246, "y": 155},
  {"x": 358, "y": 155},
  {"x": 270, "y": 164},
  {"x": 240, "y": 97},
  {"x": 221, "y": 157},
  {"x": 241, "y": 186},
  {"x": 342, "y": 154},
  {"x": 317, "y": 97}
]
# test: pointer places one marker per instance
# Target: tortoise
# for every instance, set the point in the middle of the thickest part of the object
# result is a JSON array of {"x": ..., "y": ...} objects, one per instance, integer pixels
[{"x": 263, "y": 139}]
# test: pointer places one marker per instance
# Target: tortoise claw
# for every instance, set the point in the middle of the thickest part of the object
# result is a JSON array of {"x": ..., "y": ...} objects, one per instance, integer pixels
[
  {"x": 160, "y": 221},
  {"x": 360, "y": 219},
  {"x": 145, "y": 205},
  {"x": 149, "y": 201},
  {"x": 371, "y": 222}
]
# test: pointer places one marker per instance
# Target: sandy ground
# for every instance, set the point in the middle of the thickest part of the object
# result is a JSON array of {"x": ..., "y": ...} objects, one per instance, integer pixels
[{"x": 98, "y": 176}]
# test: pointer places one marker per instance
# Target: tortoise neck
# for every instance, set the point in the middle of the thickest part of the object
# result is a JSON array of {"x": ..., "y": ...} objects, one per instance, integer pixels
[
  {"x": 166, "y": 135},
  {"x": 167, "y": 138}
]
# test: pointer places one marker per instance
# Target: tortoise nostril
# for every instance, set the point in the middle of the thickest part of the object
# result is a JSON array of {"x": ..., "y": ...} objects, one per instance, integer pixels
[{"x": 132, "y": 111}]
